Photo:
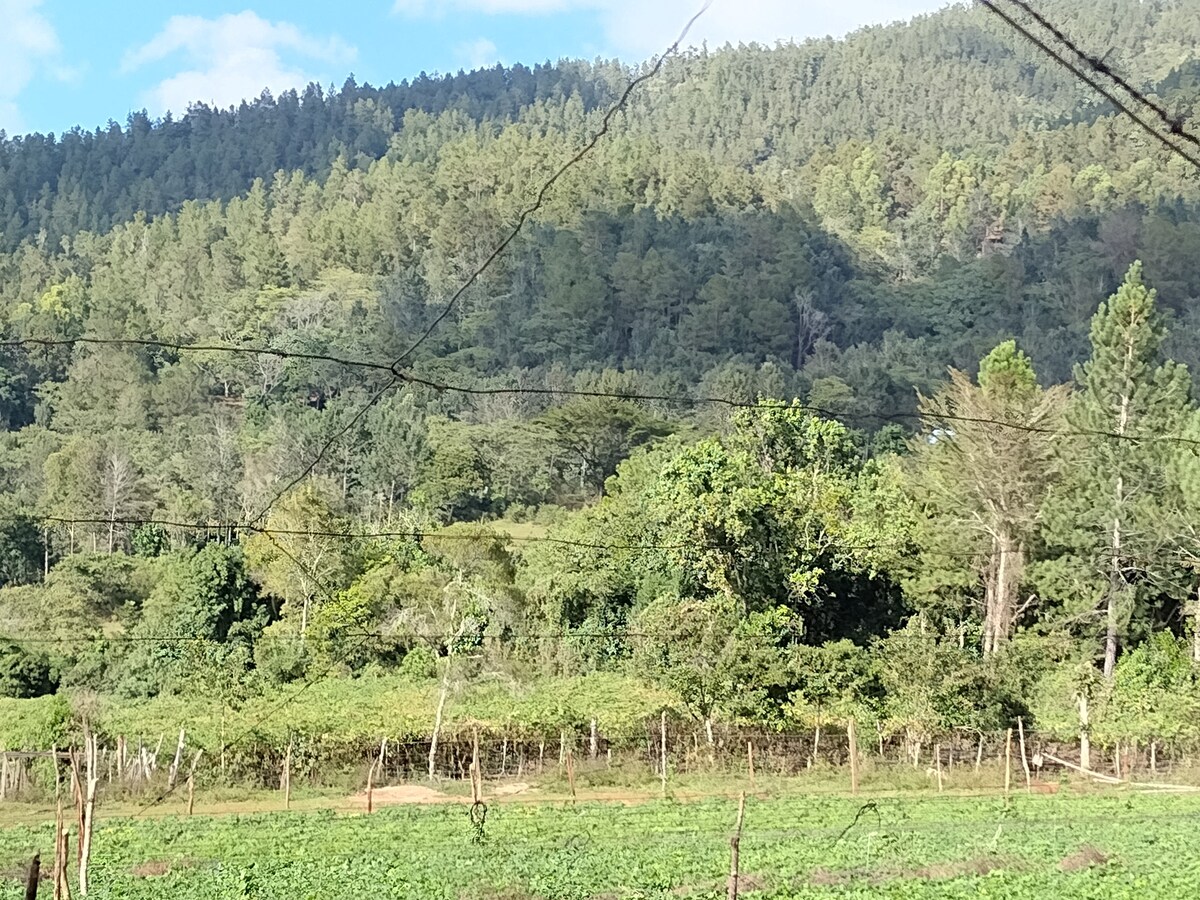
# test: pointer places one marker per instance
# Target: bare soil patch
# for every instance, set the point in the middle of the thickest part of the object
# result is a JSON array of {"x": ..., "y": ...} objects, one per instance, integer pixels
[
  {"x": 20, "y": 872},
  {"x": 507, "y": 790},
  {"x": 508, "y": 893},
  {"x": 747, "y": 883},
  {"x": 1083, "y": 858},
  {"x": 156, "y": 868},
  {"x": 980, "y": 865},
  {"x": 399, "y": 794}
]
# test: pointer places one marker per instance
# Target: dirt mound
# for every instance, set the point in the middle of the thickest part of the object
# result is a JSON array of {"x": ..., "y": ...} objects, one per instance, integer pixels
[
  {"x": 155, "y": 868},
  {"x": 982, "y": 865},
  {"x": 400, "y": 794},
  {"x": 507, "y": 790},
  {"x": 1083, "y": 858}
]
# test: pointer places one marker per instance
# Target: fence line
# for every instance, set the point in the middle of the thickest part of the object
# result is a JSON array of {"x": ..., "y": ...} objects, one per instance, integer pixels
[{"x": 734, "y": 754}]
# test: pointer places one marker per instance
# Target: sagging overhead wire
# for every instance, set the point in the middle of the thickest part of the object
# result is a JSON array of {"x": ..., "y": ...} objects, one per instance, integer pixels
[
  {"x": 395, "y": 368},
  {"x": 684, "y": 400},
  {"x": 1091, "y": 80},
  {"x": 1174, "y": 124}
]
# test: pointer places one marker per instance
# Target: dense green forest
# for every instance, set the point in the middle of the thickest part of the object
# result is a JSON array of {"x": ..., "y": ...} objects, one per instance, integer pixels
[{"x": 947, "y": 296}]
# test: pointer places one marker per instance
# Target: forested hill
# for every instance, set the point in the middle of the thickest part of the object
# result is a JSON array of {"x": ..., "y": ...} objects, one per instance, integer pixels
[
  {"x": 955, "y": 80},
  {"x": 823, "y": 228}
]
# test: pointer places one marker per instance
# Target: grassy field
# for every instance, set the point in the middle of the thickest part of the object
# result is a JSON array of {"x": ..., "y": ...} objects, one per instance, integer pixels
[{"x": 1085, "y": 845}]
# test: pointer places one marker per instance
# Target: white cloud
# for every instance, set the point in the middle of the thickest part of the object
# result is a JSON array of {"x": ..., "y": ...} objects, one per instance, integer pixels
[
  {"x": 28, "y": 44},
  {"x": 231, "y": 58},
  {"x": 478, "y": 53},
  {"x": 642, "y": 28}
]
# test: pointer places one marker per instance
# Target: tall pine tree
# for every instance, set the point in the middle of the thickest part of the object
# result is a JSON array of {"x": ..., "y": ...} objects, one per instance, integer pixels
[{"x": 1107, "y": 511}]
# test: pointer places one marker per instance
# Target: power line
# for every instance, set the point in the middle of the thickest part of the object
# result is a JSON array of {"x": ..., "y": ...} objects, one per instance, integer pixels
[
  {"x": 683, "y": 400},
  {"x": 541, "y": 195},
  {"x": 1174, "y": 124},
  {"x": 991, "y": 6},
  {"x": 394, "y": 368},
  {"x": 195, "y": 348},
  {"x": 420, "y": 535},
  {"x": 631, "y": 396}
]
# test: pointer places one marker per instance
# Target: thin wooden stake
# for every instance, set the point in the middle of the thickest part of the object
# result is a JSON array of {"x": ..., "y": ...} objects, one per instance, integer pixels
[
  {"x": 375, "y": 763},
  {"x": 1085, "y": 739},
  {"x": 287, "y": 777},
  {"x": 31, "y": 880},
  {"x": 1024, "y": 758},
  {"x": 594, "y": 747},
  {"x": 87, "y": 806},
  {"x": 1008, "y": 762},
  {"x": 852, "y": 746},
  {"x": 476, "y": 775},
  {"x": 571, "y": 771},
  {"x": 979, "y": 753},
  {"x": 191, "y": 781},
  {"x": 173, "y": 771},
  {"x": 750, "y": 761},
  {"x": 735, "y": 844},
  {"x": 937, "y": 764},
  {"x": 663, "y": 761}
]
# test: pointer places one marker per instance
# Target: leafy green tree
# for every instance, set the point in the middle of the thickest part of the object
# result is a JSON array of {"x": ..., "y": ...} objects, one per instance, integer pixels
[
  {"x": 982, "y": 483},
  {"x": 1154, "y": 694},
  {"x": 300, "y": 557},
  {"x": 597, "y": 434},
  {"x": 715, "y": 657},
  {"x": 23, "y": 674},
  {"x": 831, "y": 684},
  {"x": 204, "y": 600},
  {"x": 22, "y": 550}
]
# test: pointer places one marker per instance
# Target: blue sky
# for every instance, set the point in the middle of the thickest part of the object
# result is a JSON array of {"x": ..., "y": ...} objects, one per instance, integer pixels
[{"x": 66, "y": 62}]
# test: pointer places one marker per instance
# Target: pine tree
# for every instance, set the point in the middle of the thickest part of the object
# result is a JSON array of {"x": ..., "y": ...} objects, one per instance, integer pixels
[{"x": 1108, "y": 509}]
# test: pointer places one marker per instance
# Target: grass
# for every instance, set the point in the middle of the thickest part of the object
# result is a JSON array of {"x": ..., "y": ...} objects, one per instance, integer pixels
[{"x": 795, "y": 845}]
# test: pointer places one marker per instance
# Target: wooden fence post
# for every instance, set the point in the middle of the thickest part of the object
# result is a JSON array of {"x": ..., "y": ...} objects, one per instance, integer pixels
[
  {"x": 663, "y": 761},
  {"x": 937, "y": 764},
  {"x": 191, "y": 781},
  {"x": 735, "y": 844},
  {"x": 1007, "y": 762},
  {"x": 1085, "y": 738},
  {"x": 852, "y": 745},
  {"x": 476, "y": 773},
  {"x": 62, "y": 888},
  {"x": 571, "y": 771},
  {"x": 375, "y": 763},
  {"x": 750, "y": 761},
  {"x": 31, "y": 880},
  {"x": 595, "y": 741},
  {"x": 173, "y": 771},
  {"x": 1024, "y": 758},
  {"x": 287, "y": 777},
  {"x": 87, "y": 805}
]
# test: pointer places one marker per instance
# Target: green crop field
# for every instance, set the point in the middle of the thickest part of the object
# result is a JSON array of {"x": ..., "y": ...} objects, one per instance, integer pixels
[{"x": 1111, "y": 845}]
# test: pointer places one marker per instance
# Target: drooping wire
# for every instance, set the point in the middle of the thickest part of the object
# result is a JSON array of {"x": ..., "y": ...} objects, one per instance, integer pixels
[
  {"x": 1174, "y": 124},
  {"x": 993, "y": 7},
  {"x": 394, "y": 368}
]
